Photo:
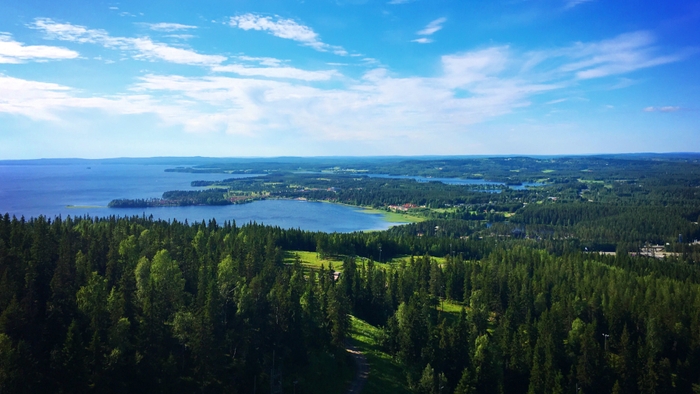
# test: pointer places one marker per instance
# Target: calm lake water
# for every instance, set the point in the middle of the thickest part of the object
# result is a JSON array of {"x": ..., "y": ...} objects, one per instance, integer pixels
[
  {"x": 49, "y": 190},
  {"x": 456, "y": 181}
]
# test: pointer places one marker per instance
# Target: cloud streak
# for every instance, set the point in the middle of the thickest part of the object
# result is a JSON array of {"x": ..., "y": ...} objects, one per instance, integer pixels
[
  {"x": 258, "y": 95},
  {"x": 662, "y": 109},
  {"x": 573, "y": 3},
  {"x": 432, "y": 28},
  {"x": 168, "y": 27},
  {"x": 15, "y": 52},
  {"x": 141, "y": 48},
  {"x": 619, "y": 55},
  {"x": 284, "y": 28},
  {"x": 278, "y": 72},
  {"x": 622, "y": 54}
]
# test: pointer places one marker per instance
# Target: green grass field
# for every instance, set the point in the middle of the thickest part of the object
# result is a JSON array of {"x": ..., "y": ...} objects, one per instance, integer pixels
[
  {"x": 312, "y": 260},
  {"x": 448, "y": 306},
  {"x": 399, "y": 259},
  {"x": 386, "y": 375},
  {"x": 395, "y": 217}
]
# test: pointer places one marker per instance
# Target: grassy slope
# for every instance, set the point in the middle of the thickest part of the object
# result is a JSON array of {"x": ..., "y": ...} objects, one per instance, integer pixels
[
  {"x": 395, "y": 217},
  {"x": 386, "y": 375},
  {"x": 312, "y": 260},
  {"x": 397, "y": 260}
]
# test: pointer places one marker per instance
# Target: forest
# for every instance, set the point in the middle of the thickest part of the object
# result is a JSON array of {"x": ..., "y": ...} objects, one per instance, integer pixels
[{"x": 529, "y": 290}]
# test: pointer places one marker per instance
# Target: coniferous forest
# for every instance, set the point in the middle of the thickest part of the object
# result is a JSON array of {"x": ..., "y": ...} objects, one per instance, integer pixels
[{"x": 461, "y": 302}]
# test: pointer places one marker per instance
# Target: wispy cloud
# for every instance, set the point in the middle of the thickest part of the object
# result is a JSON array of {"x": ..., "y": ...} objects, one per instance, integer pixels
[
  {"x": 662, "y": 109},
  {"x": 266, "y": 95},
  {"x": 148, "y": 49},
  {"x": 432, "y": 27},
  {"x": 429, "y": 30},
  {"x": 278, "y": 72},
  {"x": 285, "y": 28},
  {"x": 619, "y": 55},
  {"x": 15, "y": 52},
  {"x": 141, "y": 48},
  {"x": 423, "y": 40},
  {"x": 573, "y": 3},
  {"x": 394, "y": 2},
  {"x": 45, "y": 101},
  {"x": 75, "y": 33},
  {"x": 168, "y": 27},
  {"x": 622, "y": 54},
  {"x": 265, "y": 61}
]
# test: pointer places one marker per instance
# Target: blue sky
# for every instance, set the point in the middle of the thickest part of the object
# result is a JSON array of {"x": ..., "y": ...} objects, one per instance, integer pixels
[{"x": 92, "y": 78}]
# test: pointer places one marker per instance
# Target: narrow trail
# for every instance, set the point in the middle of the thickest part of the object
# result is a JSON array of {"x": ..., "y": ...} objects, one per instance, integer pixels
[{"x": 358, "y": 383}]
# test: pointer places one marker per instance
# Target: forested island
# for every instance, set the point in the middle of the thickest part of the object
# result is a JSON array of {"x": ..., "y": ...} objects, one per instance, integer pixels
[
  {"x": 179, "y": 198},
  {"x": 587, "y": 283}
]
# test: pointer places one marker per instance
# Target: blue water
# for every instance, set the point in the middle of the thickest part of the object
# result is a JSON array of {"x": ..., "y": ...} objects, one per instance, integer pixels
[
  {"x": 455, "y": 181},
  {"x": 33, "y": 190}
]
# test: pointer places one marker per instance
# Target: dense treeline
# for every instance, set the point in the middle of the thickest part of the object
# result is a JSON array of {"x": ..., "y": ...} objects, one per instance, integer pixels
[
  {"x": 512, "y": 170},
  {"x": 536, "y": 323},
  {"x": 132, "y": 305},
  {"x": 176, "y": 198},
  {"x": 362, "y": 190},
  {"x": 135, "y": 305}
]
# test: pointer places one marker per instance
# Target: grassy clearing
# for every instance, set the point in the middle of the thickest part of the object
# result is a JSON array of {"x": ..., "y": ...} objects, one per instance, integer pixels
[
  {"x": 391, "y": 217},
  {"x": 451, "y": 307},
  {"x": 406, "y": 258},
  {"x": 385, "y": 374},
  {"x": 590, "y": 181},
  {"x": 312, "y": 260},
  {"x": 395, "y": 217}
]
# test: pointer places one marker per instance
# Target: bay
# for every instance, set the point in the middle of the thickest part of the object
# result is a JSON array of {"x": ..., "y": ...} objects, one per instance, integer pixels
[{"x": 77, "y": 189}]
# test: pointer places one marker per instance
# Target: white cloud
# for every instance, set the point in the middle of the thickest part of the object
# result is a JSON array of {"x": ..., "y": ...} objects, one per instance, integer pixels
[
  {"x": 662, "y": 109},
  {"x": 423, "y": 40},
  {"x": 623, "y": 83},
  {"x": 285, "y": 28},
  {"x": 622, "y": 54},
  {"x": 573, "y": 3},
  {"x": 12, "y": 51},
  {"x": 268, "y": 96},
  {"x": 400, "y": 1},
  {"x": 278, "y": 72},
  {"x": 265, "y": 61},
  {"x": 376, "y": 107},
  {"x": 142, "y": 48},
  {"x": 432, "y": 27},
  {"x": 45, "y": 101},
  {"x": 168, "y": 27},
  {"x": 151, "y": 50}
]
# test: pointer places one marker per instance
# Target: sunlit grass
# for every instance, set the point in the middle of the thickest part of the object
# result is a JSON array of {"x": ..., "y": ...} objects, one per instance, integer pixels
[
  {"x": 386, "y": 375},
  {"x": 313, "y": 260}
]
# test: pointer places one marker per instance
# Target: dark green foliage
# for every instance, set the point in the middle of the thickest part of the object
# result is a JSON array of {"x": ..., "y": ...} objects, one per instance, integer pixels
[{"x": 133, "y": 305}]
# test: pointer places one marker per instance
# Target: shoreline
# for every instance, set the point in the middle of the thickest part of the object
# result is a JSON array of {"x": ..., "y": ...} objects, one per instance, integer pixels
[{"x": 391, "y": 217}]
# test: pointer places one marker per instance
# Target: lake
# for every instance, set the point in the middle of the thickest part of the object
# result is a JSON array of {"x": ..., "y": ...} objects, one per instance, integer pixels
[
  {"x": 456, "y": 181},
  {"x": 38, "y": 189}
]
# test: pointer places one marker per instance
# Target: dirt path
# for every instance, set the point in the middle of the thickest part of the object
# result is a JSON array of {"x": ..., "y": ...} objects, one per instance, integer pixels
[{"x": 362, "y": 369}]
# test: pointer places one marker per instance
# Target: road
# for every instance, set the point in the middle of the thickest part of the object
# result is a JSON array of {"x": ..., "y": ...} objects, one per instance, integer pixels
[{"x": 358, "y": 383}]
